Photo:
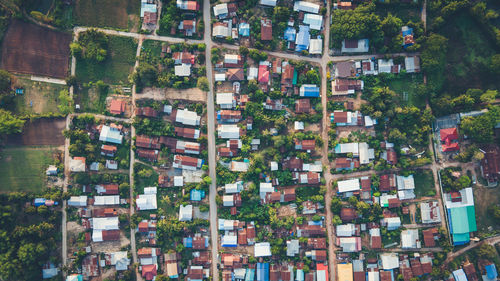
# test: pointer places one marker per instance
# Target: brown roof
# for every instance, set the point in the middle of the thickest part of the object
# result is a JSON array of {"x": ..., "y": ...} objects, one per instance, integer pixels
[
  {"x": 147, "y": 142},
  {"x": 185, "y": 132},
  {"x": 235, "y": 74},
  {"x": 344, "y": 69},
  {"x": 306, "y": 144},
  {"x": 183, "y": 57},
  {"x": 343, "y": 162},
  {"x": 320, "y": 255},
  {"x": 302, "y": 106},
  {"x": 250, "y": 232},
  {"x": 117, "y": 106},
  {"x": 146, "y": 111},
  {"x": 385, "y": 275},
  {"x": 429, "y": 237},
  {"x": 106, "y": 212},
  {"x": 351, "y": 43},
  {"x": 202, "y": 259},
  {"x": 416, "y": 267},
  {"x": 266, "y": 29},
  {"x": 108, "y": 148},
  {"x": 199, "y": 243},
  {"x": 186, "y": 160},
  {"x": 340, "y": 116},
  {"x": 392, "y": 157},
  {"x": 343, "y": 85},
  {"x": 316, "y": 243},
  {"x": 387, "y": 182},
  {"x": 289, "y": 194},
  {"x": 242, "y": 236},
  {"x": 366, "y": 184},
  {"x": 359, "y": 276},
  {"x": 287, "y": 74},
  {"x": 110, "y": 235},
  {"x": 226, "y": 152},
  {"x": 348, "y": 214},
  {"x": 293, "y": 164},
  {"x": 151, "y": 155},
  {"x": 394, "y": 203},
  {"x": 168, "y": 142},
  {"x": 230, "y": 114},
  {"x": 375, "y": 242},
  {"x": 195, "y": 273},
  {"x": 491, "y": 163}
]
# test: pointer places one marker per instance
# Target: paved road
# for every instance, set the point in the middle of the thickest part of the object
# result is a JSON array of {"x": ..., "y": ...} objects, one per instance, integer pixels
[{"x": 211, "y": 140}]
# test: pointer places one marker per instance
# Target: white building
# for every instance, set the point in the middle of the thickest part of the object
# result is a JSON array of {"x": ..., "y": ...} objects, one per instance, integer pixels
[
  {"x": 262, "y": 249},
  {"x": 186, "y": 117},
  {"x": 228, "y": 131},
  {"x": 146, "y": 202},
  {"x": 185, "y": 213}
]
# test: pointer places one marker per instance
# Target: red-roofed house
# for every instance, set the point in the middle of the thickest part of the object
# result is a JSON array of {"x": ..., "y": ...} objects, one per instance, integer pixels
[
  {"x": 447, "y": 137},
  {"x": 266, "y": 29},
  {"x": 149, "y": 271},
  {"x": 117, "y": 107},
  {"x": 263, "y": 77}
]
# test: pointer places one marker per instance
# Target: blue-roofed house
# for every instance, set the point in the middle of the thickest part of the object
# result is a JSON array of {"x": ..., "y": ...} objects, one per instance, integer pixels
[
  {"x": 197, "y": 195},
  {"x": 147, "y": 7},
  {"x": 407, "y": 33},
  {"x": 111, "y": 135},
  {"x": 303, "y": 38},
  {"x": 309, "y": 90},
  {"x": 314, "y": 21},
  {"x": 290, "y": 34},
  {"x": 49, "y": 270},
  {"x": 459, "y": 275},
  {"x": 491, "y": 272},
  {"x": 230, "y": 241},
  {"x": 300, "y": 275},
  {"x": 74, "y": 277},
  {"x": 250, "y": 274},
  {"x": 244, "y": 29},
  {"x": 262, "y": 271},
  {"x": 461, "y": 216},
  {"x": 188, "y": 242}
]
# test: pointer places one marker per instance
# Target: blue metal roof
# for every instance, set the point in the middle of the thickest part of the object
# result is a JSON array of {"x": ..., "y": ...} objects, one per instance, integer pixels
[
  {"x": 244, "y": 29},
  {"x": 250, "y": 275},
  {"x": 262, "y": 271},
  {"x": 197, "y": 195},
  {"x": 491, "y": 271},
  {"x": 188, "y": 242},
  {"x": 290, "y": 34},
  {"x": 302, "y": 41}
]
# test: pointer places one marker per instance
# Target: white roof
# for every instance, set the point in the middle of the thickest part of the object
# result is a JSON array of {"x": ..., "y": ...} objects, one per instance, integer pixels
[
  {"x": 187, "y": 117},
  {"x": 364, "y": 156},
  {"x": 348, "y": 244},
  {"x": 292, "y": 247},
  {"x": 77, "y": 201},
  {"x": 409, "y": 238},
  {"x": 229, "y": 240},
  {"x": 110, "y": 135},
  {"x": 298, "y": 125},
  {"x": 373, "y": 276},
  {"x": 389, "y": 260},
  {"x": 120, "y": 260},
  {"x": 107, "y": 200},
  {"x": 220, "y": 30},
  {"x": 314, "y": 21},
  {"x": 306, "y": 7},
  {"x": 253, "y": 72},
  {"x": 110, "y": 223},
  {"x": 76, "y": 165},
  {"x": 348, "y": 185},
  {"x": 146, "y": 202},
  {"x": 316, "y": 46},
  {"x": 228, "y": 131},
  {"x": 220, "y": 77},
  {"x": 233, "y": 187},
  {"x": 262, "y": 249},
  {"x": 266, "y": 187},
  {"x": 150, "y": 190},
  {"x": 385, "y": 65},
  {"x": 345, "y": 230},
  {"x": 220, "y": 9},
  {"x": 226, "y": 224},
  {"x": 363, "y": 47},
  {"x": 178, "y": 181},
  {"x": 459, "y": 275},
  {"x": 231, "y": 58},
  {"x": 394, "y": 221},
  {"x": 183, "y": 70},
  {"x": 412, "y": 64},
  {"x": 237, "y": 166},
  {"x": 224, "y": 98},
  {"x": 185, "y": 213},
  {"x": 274, "y": 166},
  {"x": 351, "y": 147},
  {"x": 467, "y": 199},
  {"x": 268, "y": 2},
  {"x": 228, "y": 200},
  {"x": 369, "y": 121},
  {"x": 405, "y": 182}
]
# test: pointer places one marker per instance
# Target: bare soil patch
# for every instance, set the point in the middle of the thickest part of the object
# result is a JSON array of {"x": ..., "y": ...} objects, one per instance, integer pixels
[
  {"x": 28, "y": 48},
  {"x": 193, "y": 94},
  {"x": 40, "y": 132}
]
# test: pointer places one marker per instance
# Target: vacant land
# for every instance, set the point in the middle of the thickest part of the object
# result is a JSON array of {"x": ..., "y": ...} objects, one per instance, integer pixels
[
  {"x": 28, "y": 48},
  {"x": 38, "y": 97},
  {"x": 117, "y": 66},
  {"x": 484, "y": 197},
  {"x": 23, "y": 168},
  {"x": 467, "y": 60},
  {"x": 406, "y": 87},
  {"x": 404, "y": 11},
  {"x": 424, "y": 183},
  {"x": 45, "y": 131},
  {"x": 123, "y": 14}
]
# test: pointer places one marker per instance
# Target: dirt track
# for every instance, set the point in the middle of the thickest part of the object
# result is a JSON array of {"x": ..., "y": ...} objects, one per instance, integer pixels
[
  {"x": 40, "y": 132},
  {"x": 193, "y": 94},
  {"x": 28, "y": 48}
]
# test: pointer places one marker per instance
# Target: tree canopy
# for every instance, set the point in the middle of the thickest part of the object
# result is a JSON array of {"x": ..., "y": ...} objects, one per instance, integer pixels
[{"x": 10, "y": 124}]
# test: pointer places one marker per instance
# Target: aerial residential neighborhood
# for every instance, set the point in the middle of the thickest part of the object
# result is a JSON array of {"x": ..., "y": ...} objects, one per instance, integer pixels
[{"x": 268, "y": 140}]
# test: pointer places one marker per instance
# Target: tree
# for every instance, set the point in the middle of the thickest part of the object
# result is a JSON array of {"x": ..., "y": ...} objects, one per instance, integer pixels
[
  {"x": 202, "y": 84},
  {"x": 244, "y": 51},
  {"x": 495, "y": 63},
  {"x": 391, "y": 25},
  {"x": 479, "y": 128},
  {"x": 4, "y": 82},
  {"x": 65, "y": 102},
  {"x": 92, "y": 45},
  {"x": 489, "y": 96},
  {"x": 10, "y": 124}
]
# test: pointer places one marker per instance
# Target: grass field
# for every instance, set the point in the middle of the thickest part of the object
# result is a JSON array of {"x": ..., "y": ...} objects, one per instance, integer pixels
[
  {"x": 122, "y": 14},
  {"x": 403, "y": 11},
  {"x": 424, "y": 183},
  {"x": 38, "y": 97},
  {"x": 406, "y": 87},
  {"x": 469, "y": 49},
  {"x": 22, "y": 168},
  {"x": 152, "y": 47},
  {"x": 484, "y": 197},
  {"x": 117, "y": 66}
]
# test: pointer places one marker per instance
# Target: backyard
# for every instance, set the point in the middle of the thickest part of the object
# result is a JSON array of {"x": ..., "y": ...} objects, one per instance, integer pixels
[
  {"x": 31, "y": 160},
  {"x": 424, "y": 183},
  {"x": 483, "y": 198},
  {"x": 406, "y": 86},
  {"x": 116, "y": 68},
  {"x": 38, "y": 97},
  {"x": 121, "y": 14}
]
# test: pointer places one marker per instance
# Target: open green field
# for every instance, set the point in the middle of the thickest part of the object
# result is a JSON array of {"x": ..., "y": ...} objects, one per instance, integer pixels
[
  {"x": 117, "y": 66},
  {"x": 469, "y": 50},
  {"x": 405, "y": 12},
  {"x": 152, "y": 47},
  {"x": 22, "y": 168},
  {"x": 38, "y": 97},
  {"x": 424, "y": 183},
  {"x": 483, "y": 198},
  {"x": 122, "y": 14},
  {"x": 405, "y": 85}
]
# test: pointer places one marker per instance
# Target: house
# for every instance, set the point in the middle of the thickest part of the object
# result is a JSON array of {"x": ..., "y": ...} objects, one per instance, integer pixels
[
  {"x": 90, "y": 266},
  {"x": 459, "y": 275},
  {"x": 221, "y": 11},
  {"x": 231, "y": 131},
  {"x": 229, "y": 116},
  {"x": 461, "y": 216},
  {"x": 311, "y": 178},
  {"x": 118, "y": 259},
  {"x": 235, "y": 74},
  {"x": 355, "y": 46},
  {"x": 244, "y": 29},
  {"x": 147, "y": 142},
  {"x": 186, "y": 117},
  {"x": 387, "y": 182},
  {"x": 185, "y": 133},
  {"x": 315, "y": 22},
  {"x": 171, "y": 267},
  {"x": 183, "y": 57},
  {"x": 316, "y": 46},
  {"x": 117, "y": 107},
  {"x": 309, "y": 231},
  {"x": 348, "y": 214},
  {"x": 102, "y": 229},
  {"x": 266, "y": 29},
  {"x": 188, "y": 5},
  {"x": 429, "y": 212},
  {"x": 345, "y": 118},
  {"x": 187, "y": 162},
  {"x": 342, "y": 87},
  {"x": 107, "y": 189},
  {"x": 221, "y": 30},
  {"x": 412, "y": 64},
  {"x": 349, "y": 244},
  {"x": 309, "y": 90},
  {"x": 406, "y": 187},
  {"x": 231, "y": 188},
  {"x": 262, "y": 249},
  {"x": 263, "y": 76},
  {"x": 196, "y": 195},
  {"x": 195, "y": 273},
  {"x": 317, "y": 255},
  {"x": 490, "y": 164},
  {"x": 430, "y": 237},
  {"x": 316, "y": 243},
  {"x": 187, "y": 147},
  {"x": 273, "y": 104},
  {"x": 345, "y": 69},
  {"x": 188, "y": 27},
  {"x": 345, "y": 230},
  {"x": 410, "y": 239},
  {"x": 183, "y": 70},
  {"x": 110, "y": 134},
  {"x": 271, "y": 3},
  {"x": 150, "y": 155},
  {"x": 347, "y": 164},
  {"x": 290, "y": 34},
  {"x": 52, "y": 170},
  {"x": 225, "y": 100},
  {"x": 348, "y": 186},
  {"x": 237, "y": 166},
  {"x": 491, "y": 272},
  {"x": 302, "y": 106},
  {"x": 232, "y": 61},
  {"x": 107, "y": 150},
  {"x": 302, "y": 39},
  {"x": 149, "y": 271},
  {"x": 389, "y": 260},
  {"x": 185, "y": 213},
  {"x": 77, "y": 201},
  {"x": 344, "y": 271},
  {"x": 407, "y": 33},
  {"x": 77, "y": 164},
  {"x": 392, "y": 223},
  {"x": 307, "y": 145},
  {"x": 146, "y": 202},
  {"x": 385, "y": 66},
  {"x": 375, "y": 238},
  {"x": 308, "y": 7},
  {"x": 449, "y": 139},
  {"x": 149, "y": 20}
]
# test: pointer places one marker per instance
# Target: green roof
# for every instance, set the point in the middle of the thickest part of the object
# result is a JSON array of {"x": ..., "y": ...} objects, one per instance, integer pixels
[
  {"x": 463, "y": 220},
  {"x": 461, "y": 238}
]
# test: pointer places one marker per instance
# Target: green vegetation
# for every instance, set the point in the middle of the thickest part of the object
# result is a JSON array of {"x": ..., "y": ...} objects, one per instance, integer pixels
[
  {"x": 424, "y": 183},
  {"x": 452, "y": 182},
  {"x": 115, "y": 68},
  {"x": 92, "y": 97},
  {"x": 410, "y": 88},
  {"x": 32, "y": 161},
  {"x": 481, "y": 128},
  {"x": 122, "y": 14},
  {"x": 9, "y": 123}
]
